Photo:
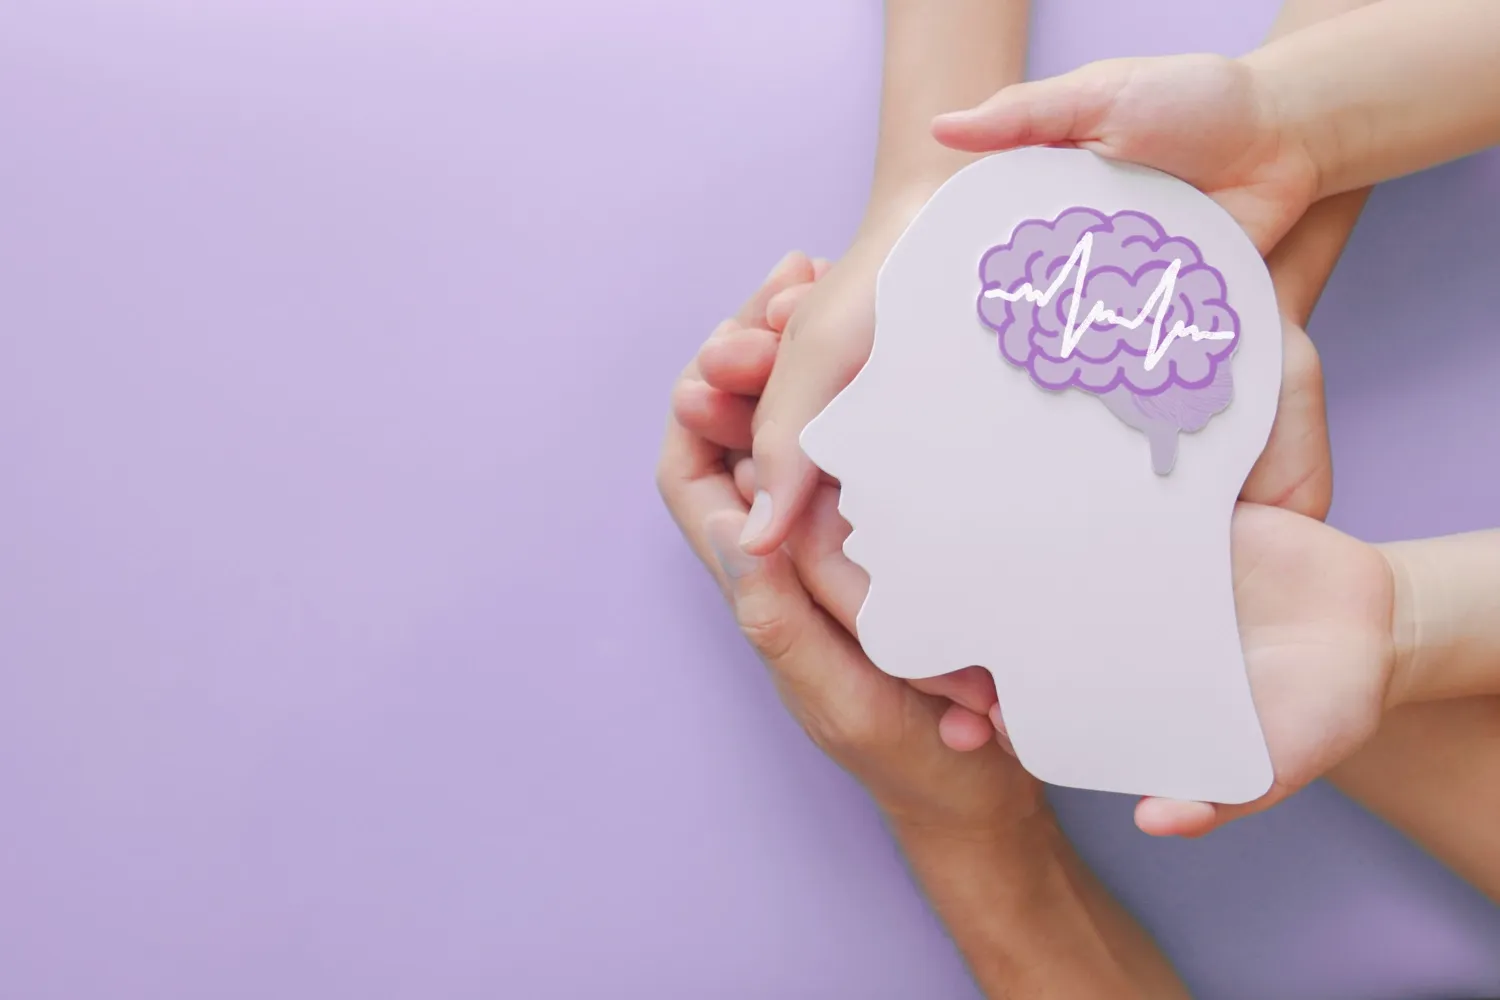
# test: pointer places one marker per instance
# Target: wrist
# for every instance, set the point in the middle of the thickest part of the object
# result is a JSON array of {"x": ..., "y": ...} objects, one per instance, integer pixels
[
  {"x": 1407, "y": 683},
  {"x": 1282, "y": 97},
  {"x": 1006, "y": 896},
  {"x": 893, "y": 203},
  {"x": 1026, "y": 914},
  {"x": 1446, "y": 616}
]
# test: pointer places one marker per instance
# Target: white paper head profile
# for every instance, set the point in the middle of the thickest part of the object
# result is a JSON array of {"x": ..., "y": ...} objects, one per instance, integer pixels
[{"x": 1078, "y": 551}]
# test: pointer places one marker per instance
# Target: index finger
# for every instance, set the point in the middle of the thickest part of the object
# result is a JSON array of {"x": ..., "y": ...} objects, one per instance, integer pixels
[{"x": 793, "y": 269}]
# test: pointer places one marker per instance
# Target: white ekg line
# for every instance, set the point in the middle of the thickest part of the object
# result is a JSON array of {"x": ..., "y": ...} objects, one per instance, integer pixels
[{"x": 1161, "y": 298}]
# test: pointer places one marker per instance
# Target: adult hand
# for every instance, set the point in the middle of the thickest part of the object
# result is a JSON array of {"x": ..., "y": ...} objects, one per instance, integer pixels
[
  {"x": 885, "y": 732},
  {"x": 1314, "y": 605}
]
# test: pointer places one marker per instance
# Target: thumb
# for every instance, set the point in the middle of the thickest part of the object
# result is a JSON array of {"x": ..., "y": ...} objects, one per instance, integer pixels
[
  {"x": 1178, "y": 818},
  {"x": 1062, "y": 109},
  {"x": 812, "y": 367}
]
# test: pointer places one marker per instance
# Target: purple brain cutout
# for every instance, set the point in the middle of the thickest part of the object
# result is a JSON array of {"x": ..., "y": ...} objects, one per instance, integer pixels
[{"x": 1173, "y": 385}]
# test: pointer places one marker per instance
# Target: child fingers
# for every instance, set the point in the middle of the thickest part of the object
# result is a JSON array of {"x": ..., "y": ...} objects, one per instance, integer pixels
[
  {"x": 713, "y": 414},
  {"x": 793, "y": 269},
  {"x": 779, "y": 310},
  {"x": 739, "y": 361}
]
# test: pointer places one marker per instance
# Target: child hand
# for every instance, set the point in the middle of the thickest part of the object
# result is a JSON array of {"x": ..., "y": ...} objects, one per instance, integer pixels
[
  {"x": 1315, "y": 617},
  {"x": 1313, "y": 604},
  {"x": 829, "y": 332},
  {"x": 1206, "y": 119}
]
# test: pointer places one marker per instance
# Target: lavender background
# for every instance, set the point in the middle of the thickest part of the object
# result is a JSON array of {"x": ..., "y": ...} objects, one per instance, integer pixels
[{"x": 345, "y": 650}]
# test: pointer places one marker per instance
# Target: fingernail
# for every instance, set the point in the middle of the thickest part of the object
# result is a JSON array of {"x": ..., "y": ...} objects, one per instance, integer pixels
[
  {"x": 735, "y": 561},
  {"x": 759, "y": 519}
]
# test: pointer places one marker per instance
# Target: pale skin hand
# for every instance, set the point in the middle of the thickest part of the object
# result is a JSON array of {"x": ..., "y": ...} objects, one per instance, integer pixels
[
  {"x": 937, "y": 56},
  {"x": 1307, "y": 115},
  {"x": 1373, "y": 93},
  {"x": 1026, "y": 913}
]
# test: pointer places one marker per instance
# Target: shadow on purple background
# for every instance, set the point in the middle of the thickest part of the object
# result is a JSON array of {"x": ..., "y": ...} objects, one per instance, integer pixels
[{"x": 345, "y": 649}]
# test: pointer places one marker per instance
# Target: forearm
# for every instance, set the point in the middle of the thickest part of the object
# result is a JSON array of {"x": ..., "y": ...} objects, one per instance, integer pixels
[
  {"x": 1446, "y": 617},
  {"x": 1303, "y": 261},
  {"x": 938, "y": 57},
  {"x": 1031, "y": 920},
  {"x": 1390, "y": 88}
]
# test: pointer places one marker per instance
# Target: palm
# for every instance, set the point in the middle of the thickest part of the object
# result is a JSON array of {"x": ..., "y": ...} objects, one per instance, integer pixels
[
  {"x": 1202, "y": 118},
  {"x": 1314, "y": 611}
]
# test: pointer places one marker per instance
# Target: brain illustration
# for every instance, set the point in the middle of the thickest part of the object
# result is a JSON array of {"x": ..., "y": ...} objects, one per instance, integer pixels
[{"x": 1115, "y": 306}]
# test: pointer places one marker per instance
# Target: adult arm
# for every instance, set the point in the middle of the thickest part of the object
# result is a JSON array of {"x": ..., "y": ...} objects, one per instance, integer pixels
[{"x": 1029, "y": 917}]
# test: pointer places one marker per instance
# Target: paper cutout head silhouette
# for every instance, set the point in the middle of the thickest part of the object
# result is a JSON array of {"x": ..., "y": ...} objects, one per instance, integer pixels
[{"x": 1009, "y": 521}]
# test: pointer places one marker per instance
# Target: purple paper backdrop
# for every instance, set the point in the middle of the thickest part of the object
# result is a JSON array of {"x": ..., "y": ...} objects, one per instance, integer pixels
[{"x": 345, "y": 650}]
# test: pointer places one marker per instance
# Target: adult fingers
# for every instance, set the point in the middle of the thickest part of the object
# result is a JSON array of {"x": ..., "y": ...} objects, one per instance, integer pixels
[
  {"x": 839, "y": 586},
  {"x": 792, "y": 635},
  {"x": 971, "y": 687},
  {"x": 693, "y": 483}
]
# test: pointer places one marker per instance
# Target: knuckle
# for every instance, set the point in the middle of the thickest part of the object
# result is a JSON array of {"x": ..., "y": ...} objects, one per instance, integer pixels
[
  {"x": 774, "y": 635},
  {"x": 845, "y": 732}
]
